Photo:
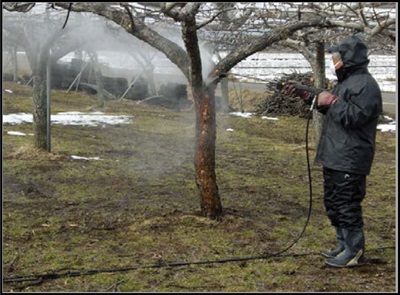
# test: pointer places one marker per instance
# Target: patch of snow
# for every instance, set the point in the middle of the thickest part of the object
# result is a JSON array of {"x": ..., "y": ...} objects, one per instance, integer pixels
[
  {"x": 387, "y": 127},
  {"x": 85, "y": 158},
  {"x": 18, "y": 118},
  {"x": 70, "y": 118},
  {"x": 269, "y": 118},
  {"x": 241, "y": 114},
  {"x": 16, "y": 133}
]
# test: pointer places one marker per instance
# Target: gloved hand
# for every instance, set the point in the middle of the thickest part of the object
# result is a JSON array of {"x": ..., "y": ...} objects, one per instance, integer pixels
[
  {"x": 292, "y": 91},
  {"x": 326, "y": 99}
]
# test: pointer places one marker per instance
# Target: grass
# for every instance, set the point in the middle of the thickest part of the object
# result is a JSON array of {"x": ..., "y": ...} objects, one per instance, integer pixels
[{"x": 139, "y": 206}]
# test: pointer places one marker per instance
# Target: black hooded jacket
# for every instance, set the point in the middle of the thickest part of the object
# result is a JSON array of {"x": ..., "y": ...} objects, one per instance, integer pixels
[{"x": 347, "y": 141}]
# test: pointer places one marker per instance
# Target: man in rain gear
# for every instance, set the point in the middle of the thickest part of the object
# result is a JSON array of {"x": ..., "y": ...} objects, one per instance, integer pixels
[{"x": 347, "y": 146}]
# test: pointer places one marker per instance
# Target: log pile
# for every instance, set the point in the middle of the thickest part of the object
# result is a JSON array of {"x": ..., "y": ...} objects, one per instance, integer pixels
[{"x": 279, "y": 103}]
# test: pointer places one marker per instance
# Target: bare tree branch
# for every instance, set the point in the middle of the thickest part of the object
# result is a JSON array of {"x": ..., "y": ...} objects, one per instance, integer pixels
[{"x": 17, "y": 6}]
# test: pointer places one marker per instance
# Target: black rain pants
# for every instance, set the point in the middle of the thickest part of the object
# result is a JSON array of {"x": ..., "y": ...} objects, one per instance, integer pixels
[{"x": 343, "y": 194}]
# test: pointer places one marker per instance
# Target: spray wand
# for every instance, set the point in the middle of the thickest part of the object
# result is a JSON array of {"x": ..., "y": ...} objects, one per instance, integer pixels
[{"x": 312, "y": 90}]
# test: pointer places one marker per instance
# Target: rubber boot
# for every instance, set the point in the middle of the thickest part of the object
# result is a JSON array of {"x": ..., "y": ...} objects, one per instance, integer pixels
[
  {"x": 339, "y": 248},
  {"x": 353, "y": 254}
]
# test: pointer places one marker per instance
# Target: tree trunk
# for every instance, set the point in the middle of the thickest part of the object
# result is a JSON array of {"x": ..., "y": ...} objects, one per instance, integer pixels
[
  {"x": 40, "y": 103},
  {"x": 224, "y": 103},
  {"x": 319, "y": 82},
  {"x": 205, "y": 152},
  {"x": 98, "y": 78},
  {"x": 14, "y": 59},
  {"x": 151, "y": 82},
  {"x": 204, "y": 101},
  {"x": 148, "y": 67}
]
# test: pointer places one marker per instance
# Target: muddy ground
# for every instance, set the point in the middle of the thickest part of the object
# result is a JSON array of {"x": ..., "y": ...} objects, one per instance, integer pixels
[{"x": 121, "y": 224}]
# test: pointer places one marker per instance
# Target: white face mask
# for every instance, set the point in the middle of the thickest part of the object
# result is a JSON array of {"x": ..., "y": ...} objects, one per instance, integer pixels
[
  {"x": 332, "y": 68},
  {"x": 336, "y": 63}
]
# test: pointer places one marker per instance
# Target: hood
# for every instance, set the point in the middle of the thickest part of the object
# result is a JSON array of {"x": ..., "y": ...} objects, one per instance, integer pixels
[{"x": 353, "y": 51}]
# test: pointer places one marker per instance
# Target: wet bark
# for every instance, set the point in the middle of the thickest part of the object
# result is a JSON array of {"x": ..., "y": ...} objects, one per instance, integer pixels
[
  {"x": 206, "y": 180},
  {"x": 204, "y": 100}
]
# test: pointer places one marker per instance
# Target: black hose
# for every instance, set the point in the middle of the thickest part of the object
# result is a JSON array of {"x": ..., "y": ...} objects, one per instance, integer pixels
[{"x": 66, "y": 19}]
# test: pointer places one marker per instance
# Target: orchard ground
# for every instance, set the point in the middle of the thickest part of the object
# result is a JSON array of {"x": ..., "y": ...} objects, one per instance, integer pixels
[{"x": 124, "y": 195}]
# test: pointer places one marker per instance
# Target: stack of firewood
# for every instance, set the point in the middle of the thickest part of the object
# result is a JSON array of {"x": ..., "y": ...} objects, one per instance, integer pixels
[{"x": 279, "y": 102}]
